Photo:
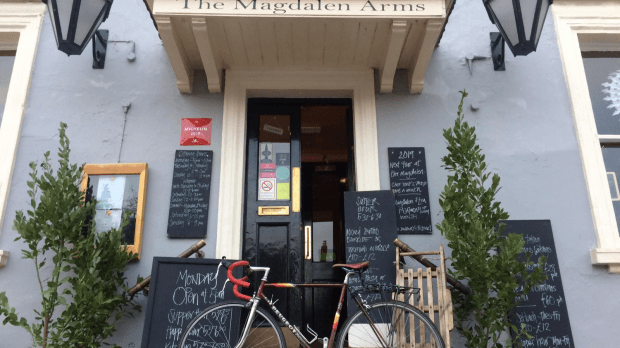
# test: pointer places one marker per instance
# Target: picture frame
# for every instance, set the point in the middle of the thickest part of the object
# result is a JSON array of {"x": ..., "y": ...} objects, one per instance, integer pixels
[{"x": 118, "y": 188}]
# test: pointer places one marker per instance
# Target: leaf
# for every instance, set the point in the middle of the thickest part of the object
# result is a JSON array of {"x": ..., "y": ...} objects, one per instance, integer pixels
[
  {"x": 480, "y": 255},
  {"x": 90, "y": 265}
]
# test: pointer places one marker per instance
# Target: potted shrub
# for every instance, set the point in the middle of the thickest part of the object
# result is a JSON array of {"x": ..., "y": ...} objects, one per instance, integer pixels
[
  {"x": 481, "y": 255},
  {"x": 85, "y": 292}
]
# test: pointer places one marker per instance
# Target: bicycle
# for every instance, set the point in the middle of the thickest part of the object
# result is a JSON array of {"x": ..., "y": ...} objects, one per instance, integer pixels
[{"x": 385, "y": 323}]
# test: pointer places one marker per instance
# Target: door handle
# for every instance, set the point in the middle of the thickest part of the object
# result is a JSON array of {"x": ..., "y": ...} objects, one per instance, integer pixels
[
  {"x": 296, "y": 189},
  {"x": 308, "y": 242}
]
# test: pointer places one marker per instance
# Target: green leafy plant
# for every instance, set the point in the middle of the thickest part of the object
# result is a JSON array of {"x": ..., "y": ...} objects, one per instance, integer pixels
[
  {"x": 86, "y": 280},
  {"x": 481, "y": 256}
]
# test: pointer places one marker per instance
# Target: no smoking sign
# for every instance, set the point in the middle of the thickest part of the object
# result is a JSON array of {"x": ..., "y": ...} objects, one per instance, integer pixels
[
  {"x": 267, "y": 186},
  {"x": 266, "y": 189}
]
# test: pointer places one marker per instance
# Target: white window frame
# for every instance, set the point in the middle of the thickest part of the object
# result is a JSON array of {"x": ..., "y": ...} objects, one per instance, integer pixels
[
  {"x": 590, "y": 26},
  {"x": 357, "y": 84},
  {"x": 26, "y": 20}
]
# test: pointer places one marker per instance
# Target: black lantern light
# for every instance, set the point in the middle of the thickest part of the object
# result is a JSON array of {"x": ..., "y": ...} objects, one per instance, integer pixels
[
  {"x": 75, "y": 22},
  {"x": 520, "y": 23}
]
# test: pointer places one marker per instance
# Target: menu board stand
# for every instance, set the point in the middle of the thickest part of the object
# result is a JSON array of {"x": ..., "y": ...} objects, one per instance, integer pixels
[
  {"x": 180, "y": 289},
  {"x": 370, "y": 229},
  {"x": 543, "y": 310}
]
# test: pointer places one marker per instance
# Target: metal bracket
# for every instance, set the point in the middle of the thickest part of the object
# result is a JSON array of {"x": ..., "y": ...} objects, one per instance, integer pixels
[
  {"x": 470, "y": 58},
  {"x": 497, "y": 51},
  {"x": 316, "y": 335},
  {"x": 100, "y": 46},
  {"x": 132, "y": 55}
]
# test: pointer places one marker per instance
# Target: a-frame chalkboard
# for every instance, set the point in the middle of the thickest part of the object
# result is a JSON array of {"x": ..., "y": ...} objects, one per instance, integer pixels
[
  {"x": 543, "y": 311},
  {"x": 180, "y": 289},
  {"x": 370, "y": 230}
]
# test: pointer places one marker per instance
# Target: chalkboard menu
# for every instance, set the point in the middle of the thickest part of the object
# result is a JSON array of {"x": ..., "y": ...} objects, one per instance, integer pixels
[
  {"x": 409, "y": 183},
  {"x": 189, "y": 201},
  {"x": 543, "y": 310},
  {"x": 370, "y": 230},
  {"x": 180, "y": 289}
]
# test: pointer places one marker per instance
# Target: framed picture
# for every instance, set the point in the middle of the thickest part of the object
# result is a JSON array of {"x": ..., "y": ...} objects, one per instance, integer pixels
[{"x": 118, "y": 188}]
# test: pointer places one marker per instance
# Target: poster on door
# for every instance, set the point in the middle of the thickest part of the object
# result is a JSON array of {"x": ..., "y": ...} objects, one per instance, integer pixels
[{"x": 274, "y": 173}]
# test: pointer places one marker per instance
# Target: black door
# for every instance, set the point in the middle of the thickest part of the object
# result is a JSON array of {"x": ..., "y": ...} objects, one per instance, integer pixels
[
  {"x": 324, "y": 182},
  {"x": 300, "y": 176},
  {"x": 273, "y": 232}
]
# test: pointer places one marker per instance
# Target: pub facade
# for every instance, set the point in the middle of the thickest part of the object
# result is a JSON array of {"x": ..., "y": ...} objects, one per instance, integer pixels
[{"x": 290, "y": 104}]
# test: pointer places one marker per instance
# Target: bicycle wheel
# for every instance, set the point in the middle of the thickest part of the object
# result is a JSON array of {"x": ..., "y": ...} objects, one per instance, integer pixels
[
  {"x": 396, "y": 324},
  {"x": 221, "y": 326}
]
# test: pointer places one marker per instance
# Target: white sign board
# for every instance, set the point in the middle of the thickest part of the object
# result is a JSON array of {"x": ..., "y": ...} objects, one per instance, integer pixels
[
  {"x": 266, "y": 189},
  {"x": 303, "y": 8}
]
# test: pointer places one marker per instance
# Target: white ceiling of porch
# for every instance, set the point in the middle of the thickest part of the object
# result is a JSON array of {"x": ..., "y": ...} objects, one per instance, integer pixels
[{"x": 215, "y": 43}]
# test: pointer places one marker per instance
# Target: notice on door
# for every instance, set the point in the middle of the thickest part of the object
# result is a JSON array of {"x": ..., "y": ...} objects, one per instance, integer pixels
[
  {"x": 274, "y": 171},
  {"x": 266, "y": 189}
]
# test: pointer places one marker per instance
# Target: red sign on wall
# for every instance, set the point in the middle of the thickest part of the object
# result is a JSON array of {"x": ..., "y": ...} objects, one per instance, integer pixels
[{"x": 195, "y": 131}]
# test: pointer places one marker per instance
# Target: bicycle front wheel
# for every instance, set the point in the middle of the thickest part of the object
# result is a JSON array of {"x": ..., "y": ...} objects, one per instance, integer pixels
[
  {"x": 222, "y": 324},
  {"x": 389, "y": 324}
]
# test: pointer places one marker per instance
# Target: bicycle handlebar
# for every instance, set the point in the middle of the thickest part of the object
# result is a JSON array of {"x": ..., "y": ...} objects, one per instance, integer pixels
[{"x": 239, "y": 282}]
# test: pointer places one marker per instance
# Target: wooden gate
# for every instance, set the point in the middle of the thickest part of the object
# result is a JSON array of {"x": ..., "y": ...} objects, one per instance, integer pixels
[{"x": 434, "y": 299}]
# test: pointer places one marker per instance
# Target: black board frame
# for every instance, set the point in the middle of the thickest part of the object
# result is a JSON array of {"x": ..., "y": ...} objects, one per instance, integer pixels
[
  {"x": 521, "y": 227},
  {"x": 187, "y": 232},
  {"x": 157, "y": 262},
  {"x": 425, "y": 194},
  {"x": 388, "y": 277}
]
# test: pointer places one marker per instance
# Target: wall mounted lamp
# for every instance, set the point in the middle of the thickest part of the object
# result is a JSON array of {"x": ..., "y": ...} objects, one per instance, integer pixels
[
  {"x": 75, "y": 23},
  {"x": 520, "y": 23}
]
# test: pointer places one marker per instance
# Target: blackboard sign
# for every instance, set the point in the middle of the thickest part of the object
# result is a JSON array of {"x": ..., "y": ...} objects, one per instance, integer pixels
[
  {"x": 543, "y": 310},
  {"x": 189, "y": 201},
  {"x": 408, "y": 181},
  {"x": 180, "y": 289},
  {"x": 370, "y": 230}
]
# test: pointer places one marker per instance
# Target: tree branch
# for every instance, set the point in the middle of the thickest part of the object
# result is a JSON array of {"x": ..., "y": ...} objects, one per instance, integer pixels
[{"x": 45, "y": 325}]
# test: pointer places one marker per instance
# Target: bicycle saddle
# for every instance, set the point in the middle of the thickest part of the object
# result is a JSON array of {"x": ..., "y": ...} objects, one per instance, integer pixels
[{"x": 356, "y": 266}]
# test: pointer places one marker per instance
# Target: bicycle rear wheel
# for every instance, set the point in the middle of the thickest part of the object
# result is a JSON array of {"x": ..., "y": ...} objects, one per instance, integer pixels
[
  {"x": 389, "y": 324},
  {"x": 221, "y": 326}
]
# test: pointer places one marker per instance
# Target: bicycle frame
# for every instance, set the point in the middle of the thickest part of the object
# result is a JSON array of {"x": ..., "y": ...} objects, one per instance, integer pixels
[{"x": 303, "y": 340}]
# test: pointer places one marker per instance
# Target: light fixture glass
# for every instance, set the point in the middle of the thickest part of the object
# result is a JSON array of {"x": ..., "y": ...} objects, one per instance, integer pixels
[
  {"x": 520, "y": 22},
  {"x": 75, "y": 22}
]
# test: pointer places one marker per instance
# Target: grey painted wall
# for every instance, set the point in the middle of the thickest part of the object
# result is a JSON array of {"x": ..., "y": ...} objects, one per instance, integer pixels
[
  {"x": 67, "y": 89},
  {"x": 524, "y": 125}
]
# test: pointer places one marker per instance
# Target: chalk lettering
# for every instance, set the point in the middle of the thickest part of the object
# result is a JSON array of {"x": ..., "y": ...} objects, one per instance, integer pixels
[{"x": 189, "y": 199}]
